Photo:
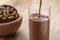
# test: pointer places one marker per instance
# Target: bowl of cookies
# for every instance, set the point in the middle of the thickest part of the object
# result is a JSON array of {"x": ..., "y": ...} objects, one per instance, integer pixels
[{"x": 10, "y": 20}]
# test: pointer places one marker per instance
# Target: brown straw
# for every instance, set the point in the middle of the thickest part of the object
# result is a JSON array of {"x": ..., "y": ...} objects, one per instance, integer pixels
[{"x": 40, "y": 7}]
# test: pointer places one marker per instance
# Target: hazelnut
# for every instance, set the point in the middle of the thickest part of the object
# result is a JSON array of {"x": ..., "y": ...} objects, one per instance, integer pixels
[
  {"x": 12, "y": 13},
  {"x": 7, "y": 11},
  {"x": 16, "y": 16},
  {"x": 4, "y": 10},
  {"x": 4, "y": 18},
  {"x": 0, "y": 12},
  {"x": 10, "y": 17},
  {"x": 0, "y": 15},
  {"x": 4, "y": 13},
  {"x": 8, "y": 8}
]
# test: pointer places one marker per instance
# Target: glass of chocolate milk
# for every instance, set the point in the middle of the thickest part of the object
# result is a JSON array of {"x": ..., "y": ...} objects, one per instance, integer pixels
[{"x": 39, "y": 26}]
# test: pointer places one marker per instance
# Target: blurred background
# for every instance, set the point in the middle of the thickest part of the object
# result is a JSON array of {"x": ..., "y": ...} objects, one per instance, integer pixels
[{"x": 22, "y": 7}]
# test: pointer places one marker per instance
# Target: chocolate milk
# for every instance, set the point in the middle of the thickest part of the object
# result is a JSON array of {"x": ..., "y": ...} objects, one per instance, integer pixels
[{"x": 39, "y": 27}]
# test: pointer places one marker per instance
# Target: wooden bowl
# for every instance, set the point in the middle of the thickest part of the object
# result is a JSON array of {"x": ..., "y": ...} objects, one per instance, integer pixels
[{"x": 10, "y": 27}]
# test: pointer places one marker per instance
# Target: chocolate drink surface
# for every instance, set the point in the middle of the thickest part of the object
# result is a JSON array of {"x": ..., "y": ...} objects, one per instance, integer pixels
[{"x": 39, "y": 27}]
